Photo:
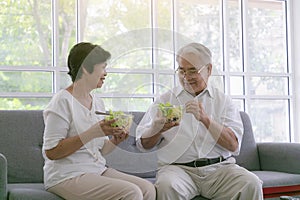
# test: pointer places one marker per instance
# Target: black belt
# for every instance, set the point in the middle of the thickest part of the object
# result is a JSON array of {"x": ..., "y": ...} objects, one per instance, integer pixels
[{"x": 202, "y": 162}]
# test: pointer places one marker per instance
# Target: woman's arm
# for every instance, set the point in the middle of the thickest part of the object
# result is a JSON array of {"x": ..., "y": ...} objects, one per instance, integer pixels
[
  {"x": 68, "y": 146},
  {"x": 110, "y": 144}
]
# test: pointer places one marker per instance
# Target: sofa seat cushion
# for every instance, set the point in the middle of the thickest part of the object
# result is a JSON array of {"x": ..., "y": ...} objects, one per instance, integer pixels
[
  {"x": 30, "y": 191},
  {"x": 277, "y": 184}
]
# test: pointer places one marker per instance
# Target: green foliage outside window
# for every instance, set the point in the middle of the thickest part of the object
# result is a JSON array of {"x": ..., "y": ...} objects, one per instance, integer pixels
[{"x": 142, "y": 35}]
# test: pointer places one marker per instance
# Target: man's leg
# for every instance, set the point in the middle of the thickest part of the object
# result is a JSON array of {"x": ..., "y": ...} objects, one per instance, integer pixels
[
  {"x": 228, "y": 181},
  {"x": 174, "y": 183}
]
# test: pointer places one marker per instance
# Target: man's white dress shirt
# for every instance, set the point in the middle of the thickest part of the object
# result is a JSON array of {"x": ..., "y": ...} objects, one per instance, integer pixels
[{"x": 191, "y": 140}]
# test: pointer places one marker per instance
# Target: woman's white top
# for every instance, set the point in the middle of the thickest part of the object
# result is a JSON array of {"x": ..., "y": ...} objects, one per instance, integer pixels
[{"x": 66, "y": 117}]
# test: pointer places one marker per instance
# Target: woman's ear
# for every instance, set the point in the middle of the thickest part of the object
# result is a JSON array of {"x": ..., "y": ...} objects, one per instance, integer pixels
[{"x": 84, "y": 71}]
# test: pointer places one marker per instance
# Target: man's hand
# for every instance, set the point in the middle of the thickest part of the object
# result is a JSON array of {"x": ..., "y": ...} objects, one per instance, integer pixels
[
  {"x": 160, "y": 123},
  {"x": 153, "y": 134},
  {"x": 222, "y": 134},
  {"x": 196, "y": 108}
]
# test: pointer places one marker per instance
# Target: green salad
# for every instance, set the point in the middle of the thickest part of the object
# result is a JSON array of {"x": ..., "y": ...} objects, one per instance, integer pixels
[
  {"x": 173, "y": 113},
  {"x": 123, "y": 120}
]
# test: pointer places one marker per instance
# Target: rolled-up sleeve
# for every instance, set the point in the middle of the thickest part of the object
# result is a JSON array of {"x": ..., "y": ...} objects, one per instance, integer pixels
[
  {"x": 232, "y": 120},
  {"x": 144, "y": 125}
]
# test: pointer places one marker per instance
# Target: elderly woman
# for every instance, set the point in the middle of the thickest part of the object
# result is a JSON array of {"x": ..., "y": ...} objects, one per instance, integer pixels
[{"x": 75, "y": 138}]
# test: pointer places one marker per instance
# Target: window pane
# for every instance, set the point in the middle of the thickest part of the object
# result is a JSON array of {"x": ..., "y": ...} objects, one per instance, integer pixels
[
  {"x": 25, "y": 33},
  {"x": 164, "y": 14},
  {"x": 217, "y": 81},
  {"x": 23, "y": 103},
  {"x": 65, "y": 80},
  {"x": 269, "y": 86},
  {"x": 66, "y": 30},
  {"x": 165, "y": 83},
  {"x": 200, "y": 22},
  {"x": 106, "y": 19},
  {"x": 239, "y": 103},
  {"x": 127, "y": 104},
  {"x": 26, "y": 81},
  {"x": 131, "y": 59},
  {"x": 122, "y": 83},
  {"x": 236, "y": 85},
  {"x": 234, "y": 39},
  {"x": 164, "y": 59},
  {"x": 267, "y": 39},
  {"x": 163, "y": 50},
  {"x": 270, "y": 120}
]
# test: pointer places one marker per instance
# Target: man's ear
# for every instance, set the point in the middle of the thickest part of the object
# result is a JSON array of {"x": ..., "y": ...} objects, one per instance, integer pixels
[{"x": 209, "y": 68}]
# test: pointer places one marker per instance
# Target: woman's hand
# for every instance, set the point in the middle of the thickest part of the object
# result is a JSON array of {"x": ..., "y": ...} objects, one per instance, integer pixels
[
  {"x": 107, "y": 129},
  {"x": 117, "y": 139}
]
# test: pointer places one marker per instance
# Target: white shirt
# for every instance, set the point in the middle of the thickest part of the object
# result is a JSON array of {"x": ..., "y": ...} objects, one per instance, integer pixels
[
  {"x": 191, "y": 140},
  {"x": 66, "y": 117}
]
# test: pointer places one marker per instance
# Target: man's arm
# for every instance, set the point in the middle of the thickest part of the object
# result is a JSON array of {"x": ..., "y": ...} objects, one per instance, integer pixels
[
  {"x": 222, "y": 134},
  {"x": 153, "y": 134}
]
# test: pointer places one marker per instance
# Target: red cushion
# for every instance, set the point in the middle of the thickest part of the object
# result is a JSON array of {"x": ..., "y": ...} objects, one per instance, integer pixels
[{"x": 278, "y": 191}]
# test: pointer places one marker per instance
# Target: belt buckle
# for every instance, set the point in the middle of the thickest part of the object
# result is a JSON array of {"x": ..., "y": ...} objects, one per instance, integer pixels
[
  {"x": 195, "y": 163},
  {"x": 200, "y": 160}
]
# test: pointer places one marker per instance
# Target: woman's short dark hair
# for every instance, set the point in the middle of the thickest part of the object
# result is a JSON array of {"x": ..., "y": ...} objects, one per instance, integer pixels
[{"x": 85, "y": 55}]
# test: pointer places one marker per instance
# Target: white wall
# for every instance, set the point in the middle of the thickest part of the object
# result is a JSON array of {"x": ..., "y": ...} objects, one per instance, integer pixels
[{"x": 295, "y": 52}]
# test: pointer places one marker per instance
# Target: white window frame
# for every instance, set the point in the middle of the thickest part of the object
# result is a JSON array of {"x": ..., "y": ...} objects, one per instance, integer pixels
[
  {"x": 293, "y": 31},
  {"x": 294, "y": 62}
]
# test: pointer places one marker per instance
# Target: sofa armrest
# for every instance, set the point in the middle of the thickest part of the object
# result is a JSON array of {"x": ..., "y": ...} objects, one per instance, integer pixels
[
  {"x": 282, "y": 157},
  {"x": 3, "y": 177}
]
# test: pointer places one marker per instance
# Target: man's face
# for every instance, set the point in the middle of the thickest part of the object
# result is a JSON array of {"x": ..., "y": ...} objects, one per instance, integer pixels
[{"x": 193, "y": 74}]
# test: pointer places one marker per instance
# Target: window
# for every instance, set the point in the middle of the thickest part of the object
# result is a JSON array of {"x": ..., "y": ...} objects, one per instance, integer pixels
[{"x": 248, "y": 39}]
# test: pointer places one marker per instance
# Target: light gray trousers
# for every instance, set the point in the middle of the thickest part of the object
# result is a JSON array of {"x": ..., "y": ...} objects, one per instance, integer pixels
[
  {"x": 220, "y": 181},
  {"x": 111, "y": 185}
]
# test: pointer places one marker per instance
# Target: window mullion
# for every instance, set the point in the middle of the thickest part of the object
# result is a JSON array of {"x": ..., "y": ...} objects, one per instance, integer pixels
[{"x": 55, "y": 45}]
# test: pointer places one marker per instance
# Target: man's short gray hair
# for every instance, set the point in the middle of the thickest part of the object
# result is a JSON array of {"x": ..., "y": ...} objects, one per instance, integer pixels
[{"x": 198, "y": 49}]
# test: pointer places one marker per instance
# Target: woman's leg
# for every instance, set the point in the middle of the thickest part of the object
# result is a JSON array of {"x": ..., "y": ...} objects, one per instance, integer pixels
[
  {"x": 145, "y": 186},
  {"x": 94, "y": 186}
]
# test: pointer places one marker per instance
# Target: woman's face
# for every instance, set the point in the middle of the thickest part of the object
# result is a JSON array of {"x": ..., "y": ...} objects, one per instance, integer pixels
[
  {"x": 97, "y": 77},
  {"x": 100, "y": 70}
]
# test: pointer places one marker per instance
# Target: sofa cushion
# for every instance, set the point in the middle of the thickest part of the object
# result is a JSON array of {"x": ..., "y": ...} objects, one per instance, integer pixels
[
  {"x": 248, "y": 156},
  {"x": 3, "y": 176},
  {"x": 276, "y": 184},
  {"x": 275, "y": 156},
  {"x": 30, "y": 191},
  {"x": 21, "y": 142},
  {"x": 272, "y": 178},
  {"x": 127, "y": 158}
]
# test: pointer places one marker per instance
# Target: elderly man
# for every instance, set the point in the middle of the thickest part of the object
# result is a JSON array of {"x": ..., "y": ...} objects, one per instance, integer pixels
[{"x": 195, "y": 153}]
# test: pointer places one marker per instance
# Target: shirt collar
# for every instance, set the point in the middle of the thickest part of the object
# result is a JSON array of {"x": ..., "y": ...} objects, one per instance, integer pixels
[{"x": 180, "y": 90}]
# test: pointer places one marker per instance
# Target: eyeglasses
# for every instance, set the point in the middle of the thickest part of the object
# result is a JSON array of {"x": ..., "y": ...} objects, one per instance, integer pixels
[{"x": 189, "y": 72}]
